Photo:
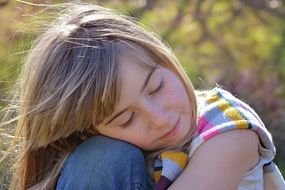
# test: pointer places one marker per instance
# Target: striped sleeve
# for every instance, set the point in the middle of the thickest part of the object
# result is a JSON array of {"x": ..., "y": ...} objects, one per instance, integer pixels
[{"x": 221, "y": 112}]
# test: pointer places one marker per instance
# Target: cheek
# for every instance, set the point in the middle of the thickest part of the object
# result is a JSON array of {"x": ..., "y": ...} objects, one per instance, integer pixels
[
  {"x": 107, "y": 131},
  {"x": 176, "y": 92},
  {"x": 139, "y": 136}
]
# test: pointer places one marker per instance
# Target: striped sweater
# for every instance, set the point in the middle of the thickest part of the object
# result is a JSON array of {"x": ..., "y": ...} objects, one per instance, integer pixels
[{"x": 220, "y": 112}]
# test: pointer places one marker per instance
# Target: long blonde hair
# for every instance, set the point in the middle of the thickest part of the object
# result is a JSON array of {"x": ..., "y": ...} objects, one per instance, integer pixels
[{"x": 68, "y": 86}]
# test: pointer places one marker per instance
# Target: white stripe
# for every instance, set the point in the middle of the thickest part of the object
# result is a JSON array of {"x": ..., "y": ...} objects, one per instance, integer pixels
[{"x": 171, "y": 169}]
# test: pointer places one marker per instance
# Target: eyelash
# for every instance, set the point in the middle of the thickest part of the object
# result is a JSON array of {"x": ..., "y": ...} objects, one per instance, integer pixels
[
  {"x": 129, "y": 122},
  {"x": 161, "y": 85}
]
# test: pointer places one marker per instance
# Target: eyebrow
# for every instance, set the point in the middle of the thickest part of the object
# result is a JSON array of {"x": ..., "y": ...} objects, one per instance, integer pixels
[
  {"x": 147, "y": 79},
  {"x": 117, "y": 115},
  {"x": 143, "y": 87}
]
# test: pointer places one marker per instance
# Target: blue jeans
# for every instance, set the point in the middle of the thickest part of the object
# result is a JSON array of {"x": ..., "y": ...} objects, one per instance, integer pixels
[{"x": 105, "y": 164}]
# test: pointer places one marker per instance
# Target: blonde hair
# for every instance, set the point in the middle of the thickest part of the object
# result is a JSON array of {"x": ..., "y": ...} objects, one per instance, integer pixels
[{"x": 68, "y": 86}]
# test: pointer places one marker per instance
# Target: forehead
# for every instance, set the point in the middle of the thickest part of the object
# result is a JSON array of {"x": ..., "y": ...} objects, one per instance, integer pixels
[
  {"x": 132, "y": 71},
  {"x": 135, "y": 54},
  {"x": 133, "y": 68},
  {"x": 133, "y": 61},
  {"x": 130, "y": 74}
]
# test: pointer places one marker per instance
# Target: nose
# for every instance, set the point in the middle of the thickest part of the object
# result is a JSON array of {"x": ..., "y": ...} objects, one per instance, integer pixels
[{"x": 157, "y": 115}]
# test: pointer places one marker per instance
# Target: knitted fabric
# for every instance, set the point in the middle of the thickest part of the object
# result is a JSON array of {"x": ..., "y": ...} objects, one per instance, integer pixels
[
  {"x": 167, "y": 167},
  {"x": 220, "y": 112}
]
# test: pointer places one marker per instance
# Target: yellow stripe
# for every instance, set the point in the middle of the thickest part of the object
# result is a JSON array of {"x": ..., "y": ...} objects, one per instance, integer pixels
[
  {"x": 156, "y": 175},
  {"x": 229, "y": 111},
  {"x": 180, "y": 158}
]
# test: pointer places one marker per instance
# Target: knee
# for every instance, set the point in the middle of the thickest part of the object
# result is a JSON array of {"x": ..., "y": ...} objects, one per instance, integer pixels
[
  {"x": 101, "y": 151},
  {"x": 105, "y": 160}
]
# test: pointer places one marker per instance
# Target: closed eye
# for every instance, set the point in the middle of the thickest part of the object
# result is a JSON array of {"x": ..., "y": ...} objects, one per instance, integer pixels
[
  {"x": 161, "y": 85},
  {"x": 129, "y": 122}
]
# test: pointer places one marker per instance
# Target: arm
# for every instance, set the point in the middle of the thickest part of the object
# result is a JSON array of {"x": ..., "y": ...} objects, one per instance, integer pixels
[{"x": 220, "y": 162}]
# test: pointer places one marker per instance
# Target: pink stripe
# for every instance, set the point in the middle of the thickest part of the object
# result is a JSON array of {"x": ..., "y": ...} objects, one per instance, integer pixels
[
  {"x": 210, "y": 134},
  {"x": 203, "y": 125}
]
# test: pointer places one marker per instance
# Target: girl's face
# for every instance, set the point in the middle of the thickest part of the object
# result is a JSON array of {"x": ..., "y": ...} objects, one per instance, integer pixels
[{"x": 153, "y": 112}]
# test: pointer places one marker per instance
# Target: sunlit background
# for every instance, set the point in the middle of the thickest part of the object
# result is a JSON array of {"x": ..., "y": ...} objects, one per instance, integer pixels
[{"x": 237, "y": 44}]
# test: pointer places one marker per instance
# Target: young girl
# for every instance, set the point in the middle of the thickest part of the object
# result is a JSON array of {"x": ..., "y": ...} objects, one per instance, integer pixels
[{"x": 97, "y": 88}]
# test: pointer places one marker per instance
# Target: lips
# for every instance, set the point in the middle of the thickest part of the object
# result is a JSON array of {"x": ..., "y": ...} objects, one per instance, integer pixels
[{"x": 173, "y": 131}]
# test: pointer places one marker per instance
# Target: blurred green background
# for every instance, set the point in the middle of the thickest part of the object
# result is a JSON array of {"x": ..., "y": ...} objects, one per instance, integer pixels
[{"x": 238, "y": 44}]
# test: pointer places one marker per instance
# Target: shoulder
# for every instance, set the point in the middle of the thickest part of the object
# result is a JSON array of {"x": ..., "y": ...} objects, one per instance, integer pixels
[
  {"x": 235, "y": 146},
  {"x": 225, "y": 124},
  {"x": 220, "y": 111},
  {"x": 229, "y": 155}
]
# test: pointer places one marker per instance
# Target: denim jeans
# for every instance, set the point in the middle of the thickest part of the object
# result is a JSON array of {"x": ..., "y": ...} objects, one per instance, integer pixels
[{"x": 105, "y": 164}]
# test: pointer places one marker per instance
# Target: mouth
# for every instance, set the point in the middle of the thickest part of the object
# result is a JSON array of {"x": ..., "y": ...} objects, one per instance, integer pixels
[{"x": 173, "y": 131}]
